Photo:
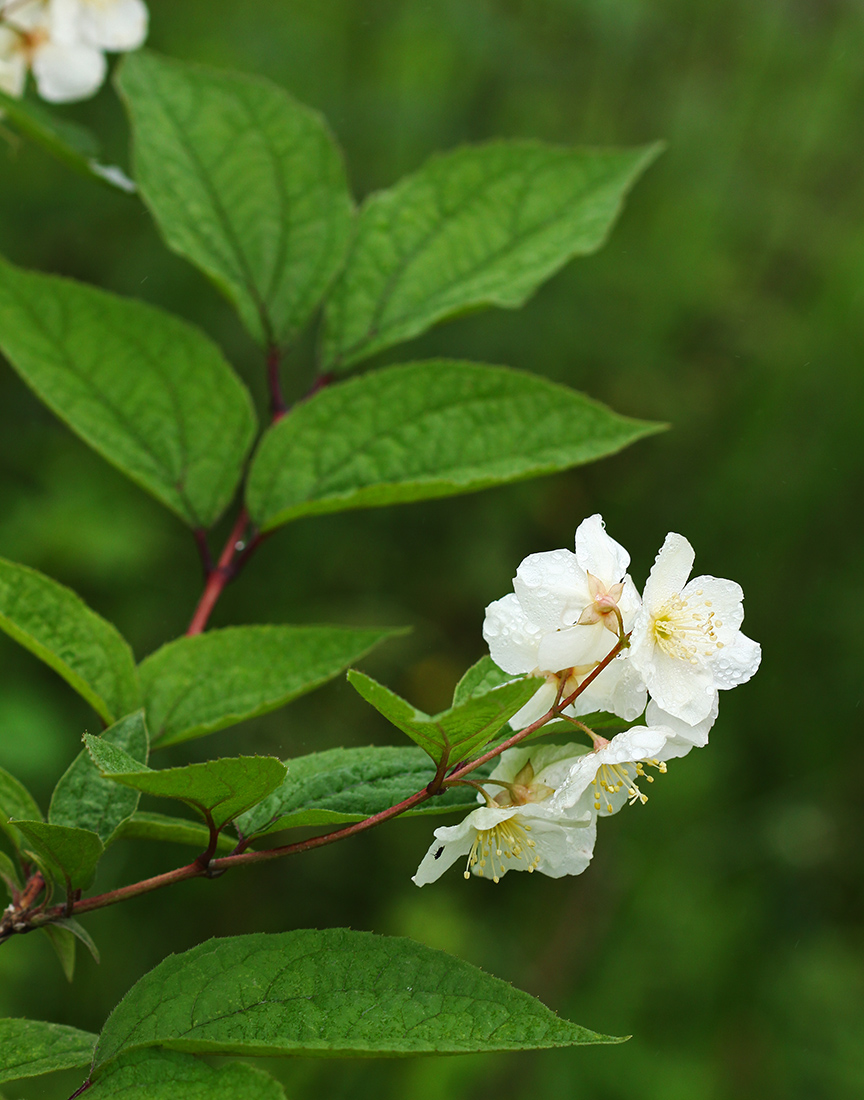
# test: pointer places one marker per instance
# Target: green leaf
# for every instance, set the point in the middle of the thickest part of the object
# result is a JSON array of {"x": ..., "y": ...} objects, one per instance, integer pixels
[
  {"x": 483, "y": 225},
  {"x": 64, "y": 944},
  {"x": 167, "y": 1075},
  {"x": 334, "y": 992},
  {"x": 150, "y": 393},
  {"x": 83, "y": 798},
  {"x": 196, "y": 685},
  {"x": 9, "y": 873},
  {"x": 15, "y": 801},
  {"x": 424, "y": 430},
  {"x": 454, "y": 734},
  {"x": 221, "y": 788},
  {"x": 63, "y": 935},
  {"x": 245, "y": 182},
  {"x": 144, "y": 825},
  {"x": 70, "y": 143},
  {"x": 71, "y": 855},
  {"x": 60, "y": 629},
  {"x": 30, "y": 1047},
  {"x": 339, "y": 786},
  {"x": 481, "y": 677}
]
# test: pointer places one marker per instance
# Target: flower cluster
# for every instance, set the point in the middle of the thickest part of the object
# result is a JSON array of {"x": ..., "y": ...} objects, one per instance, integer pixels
[
  {"x": 576, "y": 619},
  {"x": 63, "y": 42}
]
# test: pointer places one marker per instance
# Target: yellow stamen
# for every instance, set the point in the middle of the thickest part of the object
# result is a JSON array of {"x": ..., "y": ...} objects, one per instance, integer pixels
[
  {"x": 507, "y": 839},
  {"x": 612, "y": 778},
  {"x": 687, "y": 630}
]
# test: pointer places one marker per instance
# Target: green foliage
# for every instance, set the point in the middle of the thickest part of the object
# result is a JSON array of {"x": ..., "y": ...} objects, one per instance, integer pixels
[
  {"x": 83, "y": 798},
  {"x": 426, "y": 430},
  {"x": 206, "y": 682},
  {"x": 71, "y": 855},
  {"x": 483, "y": 676},
  {"x": 15, "y": 801},
  {"x": 30, "y": 1047},
  {"x": 9, "y": 873},
  {"x": 144, "y": 825},
  {"x": 68, "y": 142},
  {"x": 64, "y": 936},
  {"x": 60, "y": 629},
  {"x": 65, "y": 944},
  {"x": 167, "y": 1075},
  {"x": 218, "y": 789},
  {"x": 339, "y": 786},
  {"x": 243, "y": 181},
  {"x": 454, "y": 734},
  {"x": 480, "y": 226},
  {"x": 151, "y": 393},
  {"x": 335, "y": 992}
]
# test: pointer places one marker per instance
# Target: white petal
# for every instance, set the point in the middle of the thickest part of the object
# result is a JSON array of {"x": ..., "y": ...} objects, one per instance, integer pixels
[
  {"x": 682, "y": 689},
  {"x": 536, "y": 707},
  {"x": 598, "y": 554},
  {"x": 630, "y": 602},
  {"x": 64, "y": 22},
  {"x": 512, "y": 638},
  {"x": 67, "y": 73},
  {"x": 453, "y": 841},
  {"x": 448, "y": 848},
  {"x": 736, "y": 662},
  {"x": 563, "y": 848},
  {"x": 27, "y": 17},
  {"x": 683, "y": 737},
  {"x": 619, "y": 689},
  {"x": 552, "y": 589},
  {"x": 552, "y": 763},
  {"x": 723, "y": 597},
  {"x": 574, "y": 646},
  {"x": 13, "y": 63},
  {"x": 670, "y": 571},
  {"x": 115, "y": 25}
]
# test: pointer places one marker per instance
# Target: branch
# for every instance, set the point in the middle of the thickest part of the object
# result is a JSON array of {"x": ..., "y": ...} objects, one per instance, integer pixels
[
  {"x": 202, "y": 867},
  {"x": 219, "y": 576}
]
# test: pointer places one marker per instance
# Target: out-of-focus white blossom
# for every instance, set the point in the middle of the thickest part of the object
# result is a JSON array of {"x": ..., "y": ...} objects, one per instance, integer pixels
[
  {"x": 113, "y": 25},
  {"x": 686, "y": 642},
  {"x": 562, "y": 619},
  {"x": 520, "y": 828},
  {"x": 14, "y": 60},
  {"x": 61, "y": 42}
]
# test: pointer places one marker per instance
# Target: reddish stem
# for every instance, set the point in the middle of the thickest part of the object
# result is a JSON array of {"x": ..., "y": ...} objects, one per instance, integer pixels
[
  {"x": 219, "y": 576},
  {"x": 278, "y": 408}
]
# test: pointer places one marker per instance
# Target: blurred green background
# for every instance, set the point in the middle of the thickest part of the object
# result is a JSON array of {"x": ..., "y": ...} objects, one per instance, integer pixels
[{"x": 720, "y": 925}]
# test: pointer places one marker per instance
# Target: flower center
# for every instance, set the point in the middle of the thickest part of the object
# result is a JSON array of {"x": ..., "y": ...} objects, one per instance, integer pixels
[
  {"x": 612, "y": 778},
  {"x": 687, "y": 631},
  {"x": 507, "y": 840}
]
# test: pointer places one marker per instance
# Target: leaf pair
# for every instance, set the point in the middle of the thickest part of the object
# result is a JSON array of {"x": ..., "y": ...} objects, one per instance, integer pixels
[
  {"x": 250, "y": 186},
  {"x": 459, "y": 732},
  {"x": 336, "y": 992},
  {"x": 189, "y": 687}
]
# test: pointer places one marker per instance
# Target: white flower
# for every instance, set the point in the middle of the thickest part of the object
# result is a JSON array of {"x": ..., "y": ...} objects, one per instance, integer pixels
[
  {"x": 603, "y": 780},
  {"x": 62, "y": 42},
  {"x": 562, "y": 619},
  {"x": 113, "y": 25},
  {"x": 65, "y": 69},
  {"x": 686, "y": 642},
  {"x": 518, "y": 829},
  {"x": 681, "y": 736},
  {"x": 13, "y": 62}
]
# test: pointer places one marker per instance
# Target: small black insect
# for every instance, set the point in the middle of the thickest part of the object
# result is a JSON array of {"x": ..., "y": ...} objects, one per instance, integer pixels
[{"x": 438, "y": 853}]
